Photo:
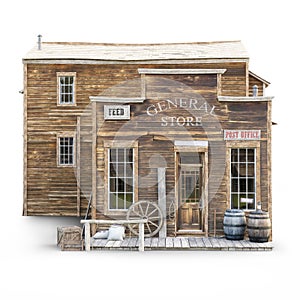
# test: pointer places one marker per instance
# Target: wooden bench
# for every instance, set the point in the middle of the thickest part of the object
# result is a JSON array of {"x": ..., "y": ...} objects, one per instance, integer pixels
[{"x": 87, "y": 230}]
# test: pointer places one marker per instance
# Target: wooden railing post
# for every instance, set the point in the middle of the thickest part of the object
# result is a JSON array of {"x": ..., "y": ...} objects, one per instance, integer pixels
[
  {"x": 141, "y": 237},
  {"x": 87, "y": 236}
]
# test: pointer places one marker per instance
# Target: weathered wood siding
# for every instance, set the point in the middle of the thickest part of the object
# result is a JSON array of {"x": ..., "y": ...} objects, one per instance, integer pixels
[
  {"x": 254, "y": 81},
  {"x": 52, "y": 190}
]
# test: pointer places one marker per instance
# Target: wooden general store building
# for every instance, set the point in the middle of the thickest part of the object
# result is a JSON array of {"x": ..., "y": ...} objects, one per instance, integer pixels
[{"x": 186, "y": 126}]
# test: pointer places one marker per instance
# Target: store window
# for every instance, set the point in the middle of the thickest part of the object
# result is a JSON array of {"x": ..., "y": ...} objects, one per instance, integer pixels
[
  {"x": 121, "y": 178},
  {"x": 243, "y": 178}
]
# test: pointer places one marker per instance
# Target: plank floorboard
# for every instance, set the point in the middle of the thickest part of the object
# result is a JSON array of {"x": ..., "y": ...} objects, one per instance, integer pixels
[{"x": 184, "y": 243}]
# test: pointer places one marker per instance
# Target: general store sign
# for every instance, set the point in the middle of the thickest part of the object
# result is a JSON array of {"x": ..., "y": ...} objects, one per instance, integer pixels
[
  {"x": 116, "y": 112},
  {"x": 241, "y": 135}
]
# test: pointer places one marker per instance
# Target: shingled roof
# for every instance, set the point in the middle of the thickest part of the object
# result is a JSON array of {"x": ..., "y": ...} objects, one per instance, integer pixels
[{"x": 138, "y": 52}]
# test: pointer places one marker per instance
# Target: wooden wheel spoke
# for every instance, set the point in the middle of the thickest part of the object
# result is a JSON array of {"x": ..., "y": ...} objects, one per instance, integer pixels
[
  {"x": 148, "y": 227},
  {"x": 147, "y": 208},
  {"x": 141, "y": 209},
  {"x": 137, "y": 214},
  {"x": 153, "y": 223},
  {"x": 152, "y": 212},
  {"x": 154, "y": 218}
]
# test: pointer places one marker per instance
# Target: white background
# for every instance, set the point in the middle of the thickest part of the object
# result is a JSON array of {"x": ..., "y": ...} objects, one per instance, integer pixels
[{"x": 31, "y": 267}]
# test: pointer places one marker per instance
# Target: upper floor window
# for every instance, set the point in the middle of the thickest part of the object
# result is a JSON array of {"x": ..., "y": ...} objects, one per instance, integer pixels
[{"x": 66, "y": 88}]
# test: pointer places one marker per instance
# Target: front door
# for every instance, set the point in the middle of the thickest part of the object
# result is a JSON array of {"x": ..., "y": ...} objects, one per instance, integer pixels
[{"x": 190, "y": 192}]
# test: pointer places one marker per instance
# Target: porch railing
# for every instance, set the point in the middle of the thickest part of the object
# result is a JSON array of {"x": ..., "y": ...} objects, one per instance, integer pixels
[{"x": 87, "y": 230}]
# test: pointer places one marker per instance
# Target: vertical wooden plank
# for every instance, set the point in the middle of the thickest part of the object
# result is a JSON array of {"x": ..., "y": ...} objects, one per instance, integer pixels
[
  {"x": 161, "y": 179},
  {"x": 87, "y": 236},
  {"x": 25, "y": 142},
  {"x": 269, "y": 161},
  {"x": 247, "y": 80},
  {"x": 78, "y": 166},
  {"x": 94, "y": 159},
  {"x": 143, "y": 86},
  {"x": 258, "y": 170},
  {"x": 141, "y": 237},
  {"x": 227, "y": 172},
  {"x": 219, "y": 84},
  {"x": 206, "y": 193}
]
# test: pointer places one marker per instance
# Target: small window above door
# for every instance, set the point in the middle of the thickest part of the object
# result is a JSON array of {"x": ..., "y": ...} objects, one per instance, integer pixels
[{"x": 190, "y": 158}]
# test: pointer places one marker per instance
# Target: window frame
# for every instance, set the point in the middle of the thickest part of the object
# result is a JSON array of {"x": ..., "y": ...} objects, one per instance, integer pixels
[
  {"x": 66, "y": 74},
  {"x": 119, "y": 145},
  {"x": 244, "y": 145},
  {"x": 58, "y": 154}
]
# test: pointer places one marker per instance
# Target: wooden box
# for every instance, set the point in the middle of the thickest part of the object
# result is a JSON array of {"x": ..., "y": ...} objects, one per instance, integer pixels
[{"x": 70, "y": 238}]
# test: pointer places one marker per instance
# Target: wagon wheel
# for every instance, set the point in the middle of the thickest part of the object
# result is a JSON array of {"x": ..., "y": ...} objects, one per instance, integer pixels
[{"x": 149, "y": 211}]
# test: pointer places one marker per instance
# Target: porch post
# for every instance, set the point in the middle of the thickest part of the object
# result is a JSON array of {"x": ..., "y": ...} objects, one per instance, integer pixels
[{"x": 161, "y": 179}]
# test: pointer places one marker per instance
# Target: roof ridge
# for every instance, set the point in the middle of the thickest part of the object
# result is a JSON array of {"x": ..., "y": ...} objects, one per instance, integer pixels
[{"x": 139, "y": 44}]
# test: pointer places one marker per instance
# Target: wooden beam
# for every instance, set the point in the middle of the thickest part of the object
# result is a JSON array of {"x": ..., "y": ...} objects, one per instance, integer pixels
[
  {"x": 180, "y": 71},
  {"x": 244, "y": 99},
  {"x": 87, "y": 236},
  {"x": 94, "y": 160},
  {"x": 161, "y": 180},
  {"x": 78, "y": 166},
  {"x": 25, "y": 143}
]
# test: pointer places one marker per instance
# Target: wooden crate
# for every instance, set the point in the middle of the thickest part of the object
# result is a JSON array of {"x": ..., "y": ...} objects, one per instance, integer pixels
[{"x": 70, "y": 238}]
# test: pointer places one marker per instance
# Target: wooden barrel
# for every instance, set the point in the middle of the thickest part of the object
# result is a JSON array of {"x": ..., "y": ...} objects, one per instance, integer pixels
[
  {"x": 259, "y": 226},
  {"x": 234, "y": 224}
]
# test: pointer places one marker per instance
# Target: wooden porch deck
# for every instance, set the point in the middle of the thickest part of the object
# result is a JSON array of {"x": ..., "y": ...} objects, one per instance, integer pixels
[{"x": 181, "y": 243}]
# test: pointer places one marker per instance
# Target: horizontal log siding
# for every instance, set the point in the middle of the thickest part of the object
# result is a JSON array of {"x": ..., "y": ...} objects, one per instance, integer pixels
[
  {"x": 253, "y": 81},
  {"x": 51, "y": 190}
]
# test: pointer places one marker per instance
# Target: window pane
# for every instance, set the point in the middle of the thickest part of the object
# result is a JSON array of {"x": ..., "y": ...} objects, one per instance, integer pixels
[
  {"x": 234, "y": 155},
  {"x": 190, "y": 158},
  {"x": 242, "y": 170},
  {"x": 129, "y": 170},
  {"x": 242, "y": 155},
  {"x": 251, "y": 170},
  {"x": 242, "y": 185},
  {"x": 112, "y": 201},
  {"x": 234, "y": 170},
  {"x": 112, "y": 170},
  {"x": 121, "y": 186},
  {"x": 113, "y": 155},
  {"x": 250, "y": 155},
  {"x": 129, "y": 200},
  {"x": 120, "y": 172},
  {"x": 251, "y": 185},
  {"x": 234, "y": 185},
  {"x": 121, "y": 200},
  {"x": 113, "y": 184},
  {"x": 121, "y": 154},
  {"x": 235, "y": 201},
  {"x": 129, "y": 155}
]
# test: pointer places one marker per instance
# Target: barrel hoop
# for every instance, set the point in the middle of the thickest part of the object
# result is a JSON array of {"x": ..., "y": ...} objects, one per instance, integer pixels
[
  {"x": 258, "y": 218},
  {"x": 226, "y": 225},
  {"x": 258, "y": 228}
]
